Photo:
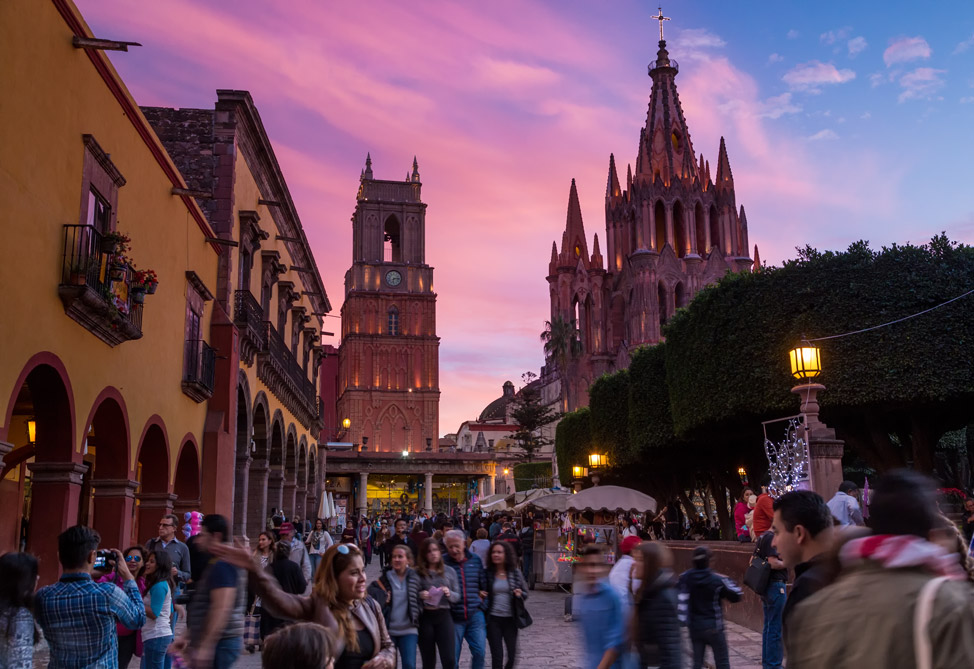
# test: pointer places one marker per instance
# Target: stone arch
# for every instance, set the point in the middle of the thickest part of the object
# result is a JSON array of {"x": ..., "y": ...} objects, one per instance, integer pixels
[
  {"x": 659, "y": 215},
  {"x": 258, "y": 471},
  {"x": 617, "y": 319},
  {"x": 186, "y": 482},
  {"x": 241, "y": 476},
  {"x": 392, "y": 239},
  {"x": 662, "y": 301},
  {"x": 277, "y": 457},
  {"x": 680, "y": 295},
  {"x": 152, "y": 473},
  {"x": 290, "y": 470},
  {"x": 43, "y": 392},
  {"x": 311, "y": 510},
  {"x": 700, "y": 228},
  {"x": 679, "y": 229}
]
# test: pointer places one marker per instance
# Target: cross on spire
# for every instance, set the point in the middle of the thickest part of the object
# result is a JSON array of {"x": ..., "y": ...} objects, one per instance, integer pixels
[{"x": 661, "y": 18}]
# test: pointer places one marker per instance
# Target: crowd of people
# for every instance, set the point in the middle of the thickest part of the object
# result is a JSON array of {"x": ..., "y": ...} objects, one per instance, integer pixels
[{"x": 888, "y": 585}]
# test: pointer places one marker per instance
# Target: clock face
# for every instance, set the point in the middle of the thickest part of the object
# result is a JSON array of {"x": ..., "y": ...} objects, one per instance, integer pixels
[{"x": 393, "y": 278}]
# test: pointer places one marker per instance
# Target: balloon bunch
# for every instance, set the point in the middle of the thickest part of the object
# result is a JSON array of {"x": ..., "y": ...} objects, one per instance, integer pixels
[{"x": 192, "y": 526}]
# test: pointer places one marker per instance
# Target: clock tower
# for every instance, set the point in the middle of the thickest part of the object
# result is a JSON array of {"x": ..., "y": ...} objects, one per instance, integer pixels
[{"x": 389, "y": 355}]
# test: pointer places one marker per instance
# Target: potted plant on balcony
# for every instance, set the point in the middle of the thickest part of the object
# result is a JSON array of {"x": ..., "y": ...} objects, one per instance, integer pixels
[
  {"x": 79, "y": 270},
  {"x": 144, "y": 282},
  {"x": 114, "y": 243},
  {"x": 116, "y": 271}
]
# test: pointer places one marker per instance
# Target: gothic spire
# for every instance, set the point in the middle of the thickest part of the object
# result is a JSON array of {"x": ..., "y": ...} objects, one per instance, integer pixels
[
  {"x": 596, "y": 253},
  {"x": 573, "y": 244},
  {"x": 756, "y": 267},
  {"x": 415, "y": 175},
  {"x": 367, "y": 173},
  {"x": 725, "y": 178},
  {"x": 612, "y": 188},
  {"x": 629, "y": 180},
  {"x": 553, "y": 264}
]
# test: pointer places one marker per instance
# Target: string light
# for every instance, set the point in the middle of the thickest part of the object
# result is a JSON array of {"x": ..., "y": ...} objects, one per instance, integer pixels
[{"x": 787, "y": 460}]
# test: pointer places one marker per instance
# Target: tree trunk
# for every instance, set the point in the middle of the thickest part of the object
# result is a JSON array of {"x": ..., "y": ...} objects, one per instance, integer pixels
[
  {"x": 691, "y": 510},
  {"x": 924, "y": 438},
  {"x": 723, "y": 516}
]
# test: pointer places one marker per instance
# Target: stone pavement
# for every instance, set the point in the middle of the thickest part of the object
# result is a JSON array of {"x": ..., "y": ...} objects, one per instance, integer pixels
[{"x": 550, "y": 642}]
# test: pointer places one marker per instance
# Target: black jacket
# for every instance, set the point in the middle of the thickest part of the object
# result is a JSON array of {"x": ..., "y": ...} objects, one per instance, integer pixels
[
  {"x": 658, "y": 628},
  {"x": 701, "y": 592},
  {"x": 291, "y": 579},
  {"x": 810, "y": 577},
  {"x": 512, "y": 539},
  {"x": 515, "y": 580}
]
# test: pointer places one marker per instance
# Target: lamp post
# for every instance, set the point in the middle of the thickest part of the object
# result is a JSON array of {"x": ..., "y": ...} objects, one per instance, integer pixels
[
  {"x": 742, "y": 473},
  {"x": 824, "y": 449},
  {"x": 578, "y": 473},
  {"x": 597, "y": 461}
]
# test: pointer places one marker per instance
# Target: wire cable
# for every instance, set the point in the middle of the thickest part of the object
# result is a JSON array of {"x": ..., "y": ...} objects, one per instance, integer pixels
[{"x": 894, "y": 322}]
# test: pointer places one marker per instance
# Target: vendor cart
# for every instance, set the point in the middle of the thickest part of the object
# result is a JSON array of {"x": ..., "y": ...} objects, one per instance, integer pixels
[{"x": 553, "y": 557}]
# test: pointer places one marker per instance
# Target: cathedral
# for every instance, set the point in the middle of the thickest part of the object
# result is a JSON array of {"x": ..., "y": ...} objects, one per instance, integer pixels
[
  {"x": 670, "y": 230},
  {"x": 389, "y": 356}
]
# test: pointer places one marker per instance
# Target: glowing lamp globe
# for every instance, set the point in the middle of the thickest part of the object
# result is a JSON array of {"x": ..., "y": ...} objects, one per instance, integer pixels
[
  {"x": 578, "y": 472},
  {"x": 346, "y": 423},
  {"x": 806, "y": 362},
  {"x": 596, "y": 460}
]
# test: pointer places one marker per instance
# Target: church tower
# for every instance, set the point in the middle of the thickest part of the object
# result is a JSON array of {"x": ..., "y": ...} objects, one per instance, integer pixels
[
  {"x": 670, "y": 230},
  {"x": 389, "y": 355}
]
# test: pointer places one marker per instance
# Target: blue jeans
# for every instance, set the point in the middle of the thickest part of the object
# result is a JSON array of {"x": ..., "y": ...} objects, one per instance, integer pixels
[
  {"x": 406, "y": 645},
  {"x": 772, "y": 648},
  {"x": 474, "y": 630},
  {"x": 315, "y": 561},
  {"x": 227, "y": 651},
  {"x": 154, "y": 652}
]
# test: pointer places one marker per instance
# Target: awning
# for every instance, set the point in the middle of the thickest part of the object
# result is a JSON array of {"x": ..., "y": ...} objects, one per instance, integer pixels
[{"x": 611, "y": 498}]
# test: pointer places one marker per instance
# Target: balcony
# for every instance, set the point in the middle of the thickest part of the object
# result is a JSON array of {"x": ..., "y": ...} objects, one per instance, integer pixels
[
  {"x": 95, "y": 288},
  {"x": 286, "y": 379},
  {"x": 200, "y": 370},
  {"x": 249, "y": 318}
]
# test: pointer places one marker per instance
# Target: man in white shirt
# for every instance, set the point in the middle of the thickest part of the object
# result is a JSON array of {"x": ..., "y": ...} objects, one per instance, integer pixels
[{"x": 844, "y": 505}]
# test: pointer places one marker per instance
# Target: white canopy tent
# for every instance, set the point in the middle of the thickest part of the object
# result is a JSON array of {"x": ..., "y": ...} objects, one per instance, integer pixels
[{"x": 611, "y": 498}]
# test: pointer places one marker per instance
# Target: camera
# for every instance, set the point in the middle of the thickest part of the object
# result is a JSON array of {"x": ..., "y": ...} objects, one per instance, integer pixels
[{"x": 104, "y": 560}]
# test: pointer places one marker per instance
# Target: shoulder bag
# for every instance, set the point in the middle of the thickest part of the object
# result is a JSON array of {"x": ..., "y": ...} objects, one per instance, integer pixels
[
  {"x": 758, "y": 574},
  {"x": 522, "y": 618}
]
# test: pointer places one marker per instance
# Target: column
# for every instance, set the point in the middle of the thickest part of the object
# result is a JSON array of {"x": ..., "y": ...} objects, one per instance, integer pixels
[
  {"x": 114, "y": 501},
  {"x": 363, "y": 494},
  {"x": 301, "y": 502},
  {"x": 670, "y": 237},
  {"x": 289, "y": 503},
  {"x": 481, "y": 488},
  {"x": 275, "y": 489},
  {"x": 152, "y": 507},
  {"x": 489, "y": 480},
  {"x": 428, "y": 497},
  {"x": 240, "y": 496},
  {"x": 55, "y": 487},
  {"x": 257, "y": 491}
]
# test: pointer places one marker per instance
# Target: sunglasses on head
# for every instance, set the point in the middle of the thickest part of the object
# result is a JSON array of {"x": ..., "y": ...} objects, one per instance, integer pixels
[{"x": 343, "y": 549}]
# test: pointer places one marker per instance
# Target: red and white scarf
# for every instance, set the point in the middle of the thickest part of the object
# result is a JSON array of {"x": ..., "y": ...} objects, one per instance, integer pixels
[{"x": 896, "y": 551}]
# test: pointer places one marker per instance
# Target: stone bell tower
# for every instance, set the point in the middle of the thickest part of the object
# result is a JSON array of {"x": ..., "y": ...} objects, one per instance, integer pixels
[{"x": 389, "y": 355}]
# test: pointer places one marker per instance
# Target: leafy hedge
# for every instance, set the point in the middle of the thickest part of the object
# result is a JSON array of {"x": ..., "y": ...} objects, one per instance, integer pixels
[
  {"x": 526, "y": 474},
  {"x": 573, "y": 438},
  {"x": 609, "y": 403},
  {"x": 650, "y": 422}
]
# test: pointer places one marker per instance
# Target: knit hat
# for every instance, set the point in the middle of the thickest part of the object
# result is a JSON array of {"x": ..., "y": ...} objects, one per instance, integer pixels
[
  {"x": 287, "y": 527},
  {"x": 628, "y": 544}
]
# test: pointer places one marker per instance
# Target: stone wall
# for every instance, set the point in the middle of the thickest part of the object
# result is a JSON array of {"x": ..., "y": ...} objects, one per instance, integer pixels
[{"x": 731, "y": 560}]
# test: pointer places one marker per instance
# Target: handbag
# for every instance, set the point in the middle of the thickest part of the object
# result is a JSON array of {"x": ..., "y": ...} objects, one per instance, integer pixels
[
  {"x": 251, "y": 636},
  {"x": 758, "y": 574},
  {"x": 522, "y": 618}
]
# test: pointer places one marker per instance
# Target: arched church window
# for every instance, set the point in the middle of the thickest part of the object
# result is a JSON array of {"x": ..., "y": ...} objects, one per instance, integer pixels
[
  {"x": 392, "y": 240},
  {"x": 392, "y": 323},
  {"x": 660, "y": 219},
  {"x": 675, "y": 138},
  {"x": 679, "y": 229}
]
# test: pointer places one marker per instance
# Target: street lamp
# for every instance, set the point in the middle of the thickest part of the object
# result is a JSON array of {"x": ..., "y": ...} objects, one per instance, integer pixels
[
  {"x": 578, "y": 473},
  {"x": 743, "y": 474},
  {"x": 597, "y": 461},
  {"x": 806, "y": 362},
  {"x": 31, "y": 429},
  {"x": 346, "y": 423}
]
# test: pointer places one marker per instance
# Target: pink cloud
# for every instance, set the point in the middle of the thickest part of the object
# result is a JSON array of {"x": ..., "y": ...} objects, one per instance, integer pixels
[
  {"x": 814, "y": 74},
  {"x": 905, "y": 49},
  {"x": 502, "y": 114}
]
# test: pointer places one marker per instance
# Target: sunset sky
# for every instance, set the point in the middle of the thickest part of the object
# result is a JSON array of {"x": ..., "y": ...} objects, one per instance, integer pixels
[{"x": 843, "y": 121}]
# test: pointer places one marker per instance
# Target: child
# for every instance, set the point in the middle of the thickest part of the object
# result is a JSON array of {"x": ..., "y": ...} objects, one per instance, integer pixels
[
  {"x": 700, "y": 608},
  {"x": 299, "y": 646}
]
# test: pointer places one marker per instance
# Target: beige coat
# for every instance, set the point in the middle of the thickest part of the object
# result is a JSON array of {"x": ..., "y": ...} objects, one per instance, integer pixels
[
  {"x": 301, "y": 607},
  {"x": 865, "y": 620}
]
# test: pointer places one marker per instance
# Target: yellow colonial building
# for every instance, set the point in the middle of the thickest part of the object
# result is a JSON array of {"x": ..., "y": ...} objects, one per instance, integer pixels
[{"x": 106, "y": 367}]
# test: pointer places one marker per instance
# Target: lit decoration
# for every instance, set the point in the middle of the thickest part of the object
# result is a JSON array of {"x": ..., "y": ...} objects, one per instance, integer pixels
[
  {"x": 31, "y": 430},
  {"x": 596, "y": 460},
  {"x": 806, "y": 362},
  {"x": 788, "y": 459},
  {"x": 346, "y": 423}
]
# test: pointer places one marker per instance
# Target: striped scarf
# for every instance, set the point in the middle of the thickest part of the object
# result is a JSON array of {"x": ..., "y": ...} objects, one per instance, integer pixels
[{"x": 896, "y": 551}]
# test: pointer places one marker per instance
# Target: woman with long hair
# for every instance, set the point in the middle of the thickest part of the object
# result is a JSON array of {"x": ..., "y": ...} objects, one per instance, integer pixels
[
  {"x": 655, "y": 629},
  {"x": 158, "y": 598},
  {"x": 18, "y": 633},
  {"x": 438, "y": 587},
  {"x": 397, "y": 591},
  {"x": 318, "y": 541},
  {"x": 504, "y": 583},
  {"x": 338, "y": 601},
  {"x": 380, "y": 540},
  {"x": 129, "y": 640},
  {"x": 365, "y": 539}
]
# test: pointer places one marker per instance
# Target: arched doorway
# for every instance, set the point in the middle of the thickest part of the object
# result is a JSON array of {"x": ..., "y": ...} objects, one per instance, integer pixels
[
  {"x": 152, "y": 473},
  {"x": 41, "y": 478},
  {"x": 108, "y": 488},
  {"x": 289, "y": 504},
  {"x": 392, "y": 240},
  {"x": 275, "y": 475},
  {"x": 257, "y": 486},
  {"x": 241, "y": 481},
  {"x": 311, "y": 506},
  {"x": 186, "y": 484}
]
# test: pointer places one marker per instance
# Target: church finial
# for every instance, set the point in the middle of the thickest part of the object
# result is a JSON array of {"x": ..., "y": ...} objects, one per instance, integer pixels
[
  {"x": 659, "y": 17},
  {"x": 367, "y": 174},
  {"x": 725, "y": 178},
  {"x": 612, "y": 187},
  {"x": 756, "y": 267},
  {"x": 415, "y": 175}
]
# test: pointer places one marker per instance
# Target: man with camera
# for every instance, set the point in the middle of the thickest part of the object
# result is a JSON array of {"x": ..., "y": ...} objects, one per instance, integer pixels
[{"x": 77, "y": 615}]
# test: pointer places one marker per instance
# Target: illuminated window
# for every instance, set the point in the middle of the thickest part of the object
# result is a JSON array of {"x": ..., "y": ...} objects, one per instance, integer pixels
[
  {"x": 675, "y": 138},
  {"x": 392, "y": 328}
]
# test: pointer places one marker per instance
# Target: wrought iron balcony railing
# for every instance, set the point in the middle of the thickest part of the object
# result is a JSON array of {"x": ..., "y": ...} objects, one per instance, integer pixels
[
  {"x": 249, "y": 318},
  {"x": 286, "y": 378}
]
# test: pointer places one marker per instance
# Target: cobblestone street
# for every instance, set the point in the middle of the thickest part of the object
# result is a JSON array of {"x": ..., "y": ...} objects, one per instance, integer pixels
[{"x": 550, "y": 642}]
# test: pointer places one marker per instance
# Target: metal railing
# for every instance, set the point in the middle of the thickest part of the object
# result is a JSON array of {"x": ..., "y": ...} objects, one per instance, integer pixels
[
  {"x": 86, "y": 262},
  {"x": 293, "y": 371},
  {"x": 656, "y": 64},
  {"x": 247, "y": 313},
  {"x": 200, "y": 364}
]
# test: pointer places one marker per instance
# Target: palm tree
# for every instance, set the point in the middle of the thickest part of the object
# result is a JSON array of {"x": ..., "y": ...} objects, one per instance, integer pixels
[{"x": 563, "y": 345}]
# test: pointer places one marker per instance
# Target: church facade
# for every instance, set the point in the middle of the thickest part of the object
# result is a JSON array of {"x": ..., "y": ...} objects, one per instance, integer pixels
[
  {"x": 670, "y": 229},
  {"x": 389, "y": 356}
]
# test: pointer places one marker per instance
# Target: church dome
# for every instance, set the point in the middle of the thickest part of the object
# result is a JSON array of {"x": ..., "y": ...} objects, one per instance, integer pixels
[{"x": 497, "y": 410}]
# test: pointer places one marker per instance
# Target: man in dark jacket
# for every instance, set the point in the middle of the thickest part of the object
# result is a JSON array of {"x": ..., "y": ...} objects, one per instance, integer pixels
[
  {"x": 290, "y": 577},
  {"x": 468, "y": 614},
  {"x": 700, "y": 608},
  {"x": 507, "y": 535}
]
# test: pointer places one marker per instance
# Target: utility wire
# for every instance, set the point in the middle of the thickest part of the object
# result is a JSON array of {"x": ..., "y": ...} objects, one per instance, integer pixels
[{"x": 898, "y": 320}]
